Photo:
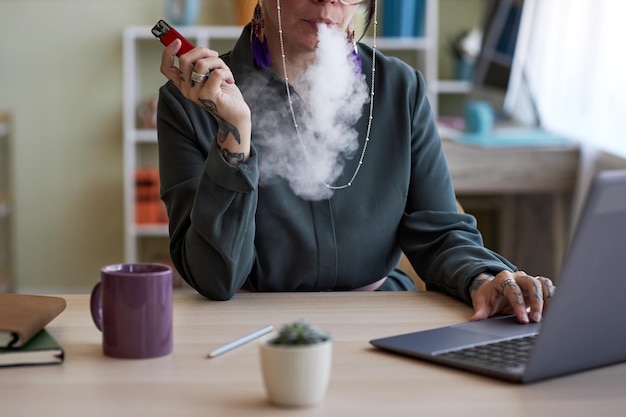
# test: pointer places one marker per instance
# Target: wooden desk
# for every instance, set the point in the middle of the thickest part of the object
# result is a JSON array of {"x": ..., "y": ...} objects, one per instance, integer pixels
[
  {"x": 364, "y": 382},
  {"x": 516, "y": 177},
  {"x": 512, "y": 170}
]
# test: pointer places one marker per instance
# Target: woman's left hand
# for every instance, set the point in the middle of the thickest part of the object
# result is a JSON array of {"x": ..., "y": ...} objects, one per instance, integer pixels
[{"x": 511, "y": 293}]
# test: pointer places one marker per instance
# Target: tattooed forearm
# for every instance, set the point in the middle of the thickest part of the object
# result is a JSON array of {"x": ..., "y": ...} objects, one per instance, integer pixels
[
  {"x": 224, "y": 128},
  {"x": 209, "y": 105},
  {"x": 233, "y": 158}
]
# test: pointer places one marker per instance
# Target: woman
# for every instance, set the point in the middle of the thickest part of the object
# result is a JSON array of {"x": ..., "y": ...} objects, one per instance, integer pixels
[{"x": 269, "y": 188}]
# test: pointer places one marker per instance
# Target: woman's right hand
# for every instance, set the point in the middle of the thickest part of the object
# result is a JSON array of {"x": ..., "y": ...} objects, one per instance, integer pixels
[{"x": 218, "y": 94}]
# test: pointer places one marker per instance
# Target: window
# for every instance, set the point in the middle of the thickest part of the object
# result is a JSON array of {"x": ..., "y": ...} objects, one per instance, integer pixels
[{"x": 569, "y": 70}]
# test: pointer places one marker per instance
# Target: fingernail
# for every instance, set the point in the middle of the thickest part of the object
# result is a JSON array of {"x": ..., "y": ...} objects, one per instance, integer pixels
[
  {"x": 525, "y": 318},
  {"x": 536, "y": 316}
]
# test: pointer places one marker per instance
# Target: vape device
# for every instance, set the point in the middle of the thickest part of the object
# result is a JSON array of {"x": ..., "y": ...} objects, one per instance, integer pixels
[{"x": 167, "y": 34}]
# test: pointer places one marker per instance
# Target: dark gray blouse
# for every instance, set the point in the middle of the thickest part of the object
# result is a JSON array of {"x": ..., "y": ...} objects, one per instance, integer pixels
[{"x": 228, "y": 233}]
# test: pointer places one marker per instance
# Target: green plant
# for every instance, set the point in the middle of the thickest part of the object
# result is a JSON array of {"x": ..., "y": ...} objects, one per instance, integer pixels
[{"x": 299, "y": 333}]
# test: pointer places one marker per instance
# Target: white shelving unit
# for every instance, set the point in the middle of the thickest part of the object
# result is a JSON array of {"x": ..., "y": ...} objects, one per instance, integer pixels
[
  {"x": 6, "y": 264},
  {"x": 136, "y": 139},
  {"x": 135, "y": 40},
  {"x": 436, "y": 86},
  {"x": 452, "y": 87},
  {"x": 426, "y": 47}
]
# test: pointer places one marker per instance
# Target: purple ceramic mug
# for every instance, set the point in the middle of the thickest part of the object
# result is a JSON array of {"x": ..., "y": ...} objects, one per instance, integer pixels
[{"x": 132, "y": 307}]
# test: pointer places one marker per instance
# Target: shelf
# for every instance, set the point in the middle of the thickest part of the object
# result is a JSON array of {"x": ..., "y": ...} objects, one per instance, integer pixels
[
  {"x": 143, "y": 136},
  {"x": 400, "y": 44},
  {"x": 195, "y": 32},
  {"x": 151, "y": 230},
  {"x": 136, "y": 41},
  {"x": 453, "y": 87}
]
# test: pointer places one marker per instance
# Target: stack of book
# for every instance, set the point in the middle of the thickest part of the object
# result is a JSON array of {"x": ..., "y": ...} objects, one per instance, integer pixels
[
  {"x": 404, "y": 18},
  {"x": 24, "y": 339}
]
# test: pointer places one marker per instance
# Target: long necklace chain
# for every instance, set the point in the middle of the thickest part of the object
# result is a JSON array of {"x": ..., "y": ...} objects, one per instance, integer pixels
[{"x": 293, "y": 114}]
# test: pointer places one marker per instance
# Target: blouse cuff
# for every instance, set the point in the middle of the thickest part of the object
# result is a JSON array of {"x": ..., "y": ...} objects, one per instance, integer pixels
[{"x": 243, "y": 178}]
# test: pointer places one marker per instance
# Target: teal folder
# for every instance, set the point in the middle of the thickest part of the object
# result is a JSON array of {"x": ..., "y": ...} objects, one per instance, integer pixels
[{"x": 514, "y": 137}]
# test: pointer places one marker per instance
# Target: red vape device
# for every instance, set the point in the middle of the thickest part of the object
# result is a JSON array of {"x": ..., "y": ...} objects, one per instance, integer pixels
[{"x": 167, "y": 34}]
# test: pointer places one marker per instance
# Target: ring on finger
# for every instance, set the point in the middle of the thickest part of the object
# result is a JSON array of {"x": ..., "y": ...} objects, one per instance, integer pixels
[
  {"x": 505, "y": 283},
  {"x": 199, "y": 78}
]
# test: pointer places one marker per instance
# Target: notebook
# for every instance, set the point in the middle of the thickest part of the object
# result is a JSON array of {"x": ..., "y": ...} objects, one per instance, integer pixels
[
  {"x": 41, "y": 349},
  {"x": 23, "y": 315},
  {"x": 584, "y": 327}
]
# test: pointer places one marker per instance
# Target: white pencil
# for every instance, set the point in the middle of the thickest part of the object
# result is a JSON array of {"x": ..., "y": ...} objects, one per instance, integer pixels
[{"x": 232, "y": 345}]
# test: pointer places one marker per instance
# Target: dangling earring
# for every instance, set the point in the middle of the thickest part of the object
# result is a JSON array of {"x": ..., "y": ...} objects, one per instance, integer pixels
[
  {"x": 355, "y": 52},
  {"x": 260, "y": 51}
]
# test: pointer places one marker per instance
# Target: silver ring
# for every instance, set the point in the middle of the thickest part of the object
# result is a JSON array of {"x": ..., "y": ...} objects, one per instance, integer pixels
[
  {"x": 199, "y": 78},
  {"x": 508, "y": 281}
]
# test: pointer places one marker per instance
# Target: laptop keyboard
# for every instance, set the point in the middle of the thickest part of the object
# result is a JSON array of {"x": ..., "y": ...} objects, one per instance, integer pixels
[{"x": 510, "y": 355}]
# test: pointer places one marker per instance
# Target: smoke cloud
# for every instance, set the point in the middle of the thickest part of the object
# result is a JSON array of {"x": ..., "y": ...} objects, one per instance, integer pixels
[{"x": 334, "y": 94}]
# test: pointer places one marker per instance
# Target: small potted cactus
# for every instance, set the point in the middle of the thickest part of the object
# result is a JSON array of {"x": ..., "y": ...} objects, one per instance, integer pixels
[{"x": 296, "y": 365}]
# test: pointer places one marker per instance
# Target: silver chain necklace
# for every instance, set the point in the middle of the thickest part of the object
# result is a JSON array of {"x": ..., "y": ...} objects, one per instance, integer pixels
[{"x": 293, "y": 114}]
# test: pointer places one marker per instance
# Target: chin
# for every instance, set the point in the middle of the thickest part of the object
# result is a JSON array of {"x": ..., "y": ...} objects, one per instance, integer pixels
[{"x": 310, "y": 43}]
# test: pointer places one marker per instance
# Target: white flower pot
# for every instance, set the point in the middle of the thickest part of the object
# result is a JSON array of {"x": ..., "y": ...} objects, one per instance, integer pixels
[{"x": 296, "y": 375}]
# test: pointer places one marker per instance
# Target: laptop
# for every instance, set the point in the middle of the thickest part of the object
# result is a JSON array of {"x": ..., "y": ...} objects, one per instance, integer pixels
[{"x": 584, "y": 326}]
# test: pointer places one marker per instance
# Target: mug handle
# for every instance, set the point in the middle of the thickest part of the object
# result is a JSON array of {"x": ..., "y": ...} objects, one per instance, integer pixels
[{"x": 95, "y": 305}]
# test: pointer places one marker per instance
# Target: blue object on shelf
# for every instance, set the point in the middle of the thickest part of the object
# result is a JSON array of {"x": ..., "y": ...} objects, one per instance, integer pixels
[
  {"x": 479, "y": 117},
  {"x": 464, "y": 69},
  {"x": 403, "y": 18},
  {"x": 182, "y": 12}
]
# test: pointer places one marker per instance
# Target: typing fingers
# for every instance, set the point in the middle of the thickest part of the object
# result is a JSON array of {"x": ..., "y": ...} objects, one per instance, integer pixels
[
  {"x": 533, "y": 295},
  {"x": 512, "y": 291},
  {"x": 528, "y": 295}
]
